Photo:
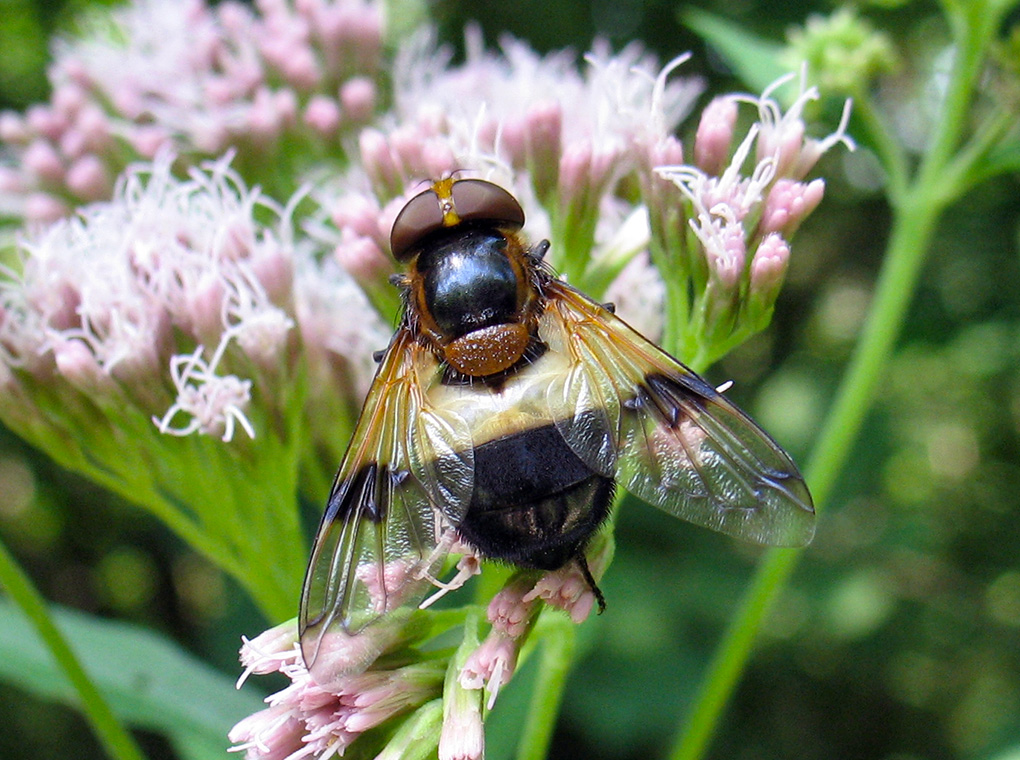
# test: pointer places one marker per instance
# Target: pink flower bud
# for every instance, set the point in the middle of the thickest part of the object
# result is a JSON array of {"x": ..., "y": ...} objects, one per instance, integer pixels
[
  {"x": 358, "y": 98},
  {"x": 95, "y": 126},
  {"x": 275, "y": 271},
  {"x": 323, "y": 115},
  {"x": 13, "y": 129},
  {"x": 212, "y": 136},
  {"x": 714, "y": 137},
  {"x": 148, "y": 140},
  {"x": 666, "y": 152},
  {"x": 387, "y": 216},
  {"x": 408, "y": 146},
  {"x": 575, "y": 167},
  {"x": 784, "y": 141},
  {"x": 68, "y": 99},
  {"x": 438, "y": 160},
  {"x": 78, "y": 365},
  {"x": 338, "y": 654},
  {"x": 491, "y": 665},
  {"x": 725, "y": 250},
  {"x": 512, "y": 140},
  {"x": 768, "y": 267},
  {"x": 265, "y": 117},
  {"x": 128, "y": 101},
  {"x": 45, "y": 208},
  {"x": 364, "y": 260},
  {"x": 205, "y": 309},
  {"x": 88, "y": 179},
  {"x": 218, "y": 90},
  {"x": 788, "y": 203},
  {"x": 378, "y": 162},
  {"x": 359, "y": 214},
  {"x": 566, "y": 589},
  {"x": 11, "y": 181},
  {"x": 73, "y": 143},
  {"x": 75, "y": 71},
  {"x": 462, "y": 737},
  {"x": 509, "y": 612},
  {"x": 269, "y": 649},
  {"x": 285, "y": 101},
  {"x": 43, "y": 161},
  {"x": 46, "y": 122},
  {"x": 301, "y": 68},
  {"x": 363, "y": 37}
]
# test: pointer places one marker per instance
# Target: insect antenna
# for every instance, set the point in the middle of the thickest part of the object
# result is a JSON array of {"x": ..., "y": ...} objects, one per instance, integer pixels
[{"x": 538, "y": 251}]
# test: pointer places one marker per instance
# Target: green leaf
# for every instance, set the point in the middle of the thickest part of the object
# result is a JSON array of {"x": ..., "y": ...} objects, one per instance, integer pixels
[
  {"x": 149, "y": 681},
  {"x": 1002, "y": 159},
  {"x": 755, "y": 60}
]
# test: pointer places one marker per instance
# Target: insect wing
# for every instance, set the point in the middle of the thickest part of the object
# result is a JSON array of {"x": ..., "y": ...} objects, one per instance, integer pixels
[
  {"x": 668, "y": 436},
  {"x": 377, "y": 541}
]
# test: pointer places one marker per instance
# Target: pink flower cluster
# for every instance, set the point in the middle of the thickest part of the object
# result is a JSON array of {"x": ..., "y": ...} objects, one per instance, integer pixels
[
  {"x": 305, "y": 720},
  {"x": 195, "y": 79},
  {"x": 744, "y": 208},
  {"x": 319, "y": 715},
  {"x": 177, "y": 275}
]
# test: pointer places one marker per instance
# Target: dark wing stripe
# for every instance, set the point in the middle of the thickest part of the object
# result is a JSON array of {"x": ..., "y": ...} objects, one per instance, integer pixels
[
  {"x": 379, "y": 524},
  {"x": 680, "y": 445}
]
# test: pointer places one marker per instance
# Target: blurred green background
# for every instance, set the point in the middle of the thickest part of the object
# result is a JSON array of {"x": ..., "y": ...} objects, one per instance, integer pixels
[{"x": 899, "y": 635}]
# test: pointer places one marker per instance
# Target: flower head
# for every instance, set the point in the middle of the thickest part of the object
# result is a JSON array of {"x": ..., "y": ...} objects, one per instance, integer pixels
[
  {"x": 183, "y": 306},
  {"x": 196, "y": 79},
  {"x": 306, "y": 719},
  {"x": 739, "y": 206},
  {"x": 843, "y": 52}
]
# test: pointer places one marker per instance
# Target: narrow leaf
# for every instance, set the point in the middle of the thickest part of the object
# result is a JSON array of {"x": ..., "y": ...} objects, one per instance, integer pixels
[
  {"x": 1003, "y": 159},
  {"x": 149, "y": 681},
  {"x": 755, "y": 60}
]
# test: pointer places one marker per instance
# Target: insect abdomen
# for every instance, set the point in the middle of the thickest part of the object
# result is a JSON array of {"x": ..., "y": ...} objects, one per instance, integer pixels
[{"x": 535, "y": 503}]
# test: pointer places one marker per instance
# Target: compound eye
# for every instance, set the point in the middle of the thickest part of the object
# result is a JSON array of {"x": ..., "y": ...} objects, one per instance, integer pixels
[
  {"x": 478, "y": 200},
  {"x": 423, "y": 214},
  {"x": 448, "y": 204}
]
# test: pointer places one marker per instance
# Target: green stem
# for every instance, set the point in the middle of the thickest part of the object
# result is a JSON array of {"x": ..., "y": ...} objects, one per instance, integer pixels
[
  {"x": 916, "y": 210},
  {"x": 911, "y": 235},
  {"x": 118, "y": 743},
  {"x": 558, "y": 644}
]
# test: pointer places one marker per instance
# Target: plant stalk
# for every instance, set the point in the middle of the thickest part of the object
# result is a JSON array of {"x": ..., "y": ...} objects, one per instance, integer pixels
[{"x": 116, "y": 740}]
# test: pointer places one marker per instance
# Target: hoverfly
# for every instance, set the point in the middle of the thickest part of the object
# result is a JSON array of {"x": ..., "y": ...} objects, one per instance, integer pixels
[{"x": 504, "y": 411}]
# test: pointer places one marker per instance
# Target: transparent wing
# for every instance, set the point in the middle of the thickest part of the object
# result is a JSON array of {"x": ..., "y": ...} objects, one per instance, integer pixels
[
  {"x": 378, "y": 540},
  {"x": 667, "y": 435}
]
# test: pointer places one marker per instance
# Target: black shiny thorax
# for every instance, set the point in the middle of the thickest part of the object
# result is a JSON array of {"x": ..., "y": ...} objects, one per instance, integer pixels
[{"x": 468, "y": 280}]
